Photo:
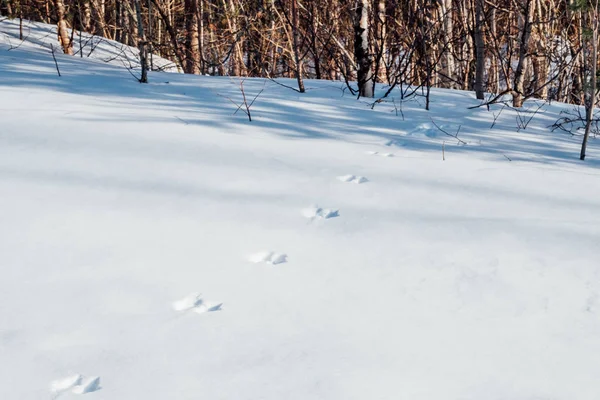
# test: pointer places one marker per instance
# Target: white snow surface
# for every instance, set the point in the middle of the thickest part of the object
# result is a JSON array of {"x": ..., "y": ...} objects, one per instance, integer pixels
[
  {"x": 39, "y": 35},
  {"x": 466, "y": 279}
]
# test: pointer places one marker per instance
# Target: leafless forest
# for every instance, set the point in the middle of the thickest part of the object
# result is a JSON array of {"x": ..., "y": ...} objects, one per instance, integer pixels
[{"x": 520, "y": 48}]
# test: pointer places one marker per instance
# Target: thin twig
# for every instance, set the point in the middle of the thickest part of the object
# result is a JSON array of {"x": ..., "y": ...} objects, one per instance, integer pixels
[
  {"x": 444, "y": 151},
  {"x": 285, "y": 86},
  {"x": 494, "y": 100},
  {"x": 129, "y": 70},
  {"x": 523, "y": 122},
  {"x": 232, "y": 102},
  {"x": 244, "y": 105},
  {"x": 496, "y": 116},
  {"x": 55, "y": 62},
  {"x": 449, "y": 134},
  {"x": 255, "y": 97},
  {"x": 396, "y": 108}
]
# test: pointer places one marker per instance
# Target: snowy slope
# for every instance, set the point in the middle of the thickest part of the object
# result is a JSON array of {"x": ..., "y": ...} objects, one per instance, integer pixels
[
  {"x": 465, "y": 279},
  {"x": 38, "y": 35}
]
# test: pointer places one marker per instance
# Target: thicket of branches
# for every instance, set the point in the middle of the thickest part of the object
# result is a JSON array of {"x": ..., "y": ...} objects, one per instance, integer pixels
[
  {"x": 521, "y": 47},
  {"x": 518, "y": 48}
]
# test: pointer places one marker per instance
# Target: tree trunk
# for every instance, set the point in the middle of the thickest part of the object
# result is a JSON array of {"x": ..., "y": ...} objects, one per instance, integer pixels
[
  {"x": 518, "y": 88},
  {"x": 20, "y": 19},
  {"x": 448, "y": 27},
  {"x": 171, "y": 31},
  {"x": 540, "y": 72},
  {"x": 272, "y": 69},
  {"x": 9, "y": 9},
  {"x": 332, "y": 14},
  {"x": 142, "y": 43},
  {"x": 118, "y": 34},
  {"x": 314, "y": 21},
  {"x": 63, "y": 34},
  {"x": 133, "y": 26},
  {"x": 467, "y": 48},
  {"x": 539, "y": 61},
  {"x": 361, "y": 49},
  {"x": 85, "y": 15},
  {"x": 493, "y": 74},
  {"x": 98, "y": 17},
  {"x": 237, "y": 56},
  {"x": 591, "y": 95},
  {"x": 192, "y": 53},
  {"x": 479, "y": 49},
  {"x": 200, "y": 19},
  {"x": 295, "y": 44},
  {"x": 380, "y": 42},
  {"x": 125, "y": 29},
  {"x": 577, "y": 89}
]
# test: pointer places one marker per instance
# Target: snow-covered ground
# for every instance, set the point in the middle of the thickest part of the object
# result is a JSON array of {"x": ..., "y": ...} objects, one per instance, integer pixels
[
  {"x": 155, "y": 246},
  {"x": 39, "y": 35}
]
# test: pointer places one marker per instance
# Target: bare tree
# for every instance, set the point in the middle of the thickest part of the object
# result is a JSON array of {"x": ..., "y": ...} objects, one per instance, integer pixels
[{"x": 523, "y": 48}]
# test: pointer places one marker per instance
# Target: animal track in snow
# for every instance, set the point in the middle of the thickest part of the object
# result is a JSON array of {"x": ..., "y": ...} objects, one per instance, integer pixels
[
  {"x": 194, "y": 302},
  {"x": 376, "y": 153},
  {"x": 89, "y": 385},
  {"x": 76, "y": 383},
  {"x": 316, "y": 212},
  {"x": 268, "y": 257},
  {"x": 62, "y": 385},
  {"x": 353, "y": 179}
]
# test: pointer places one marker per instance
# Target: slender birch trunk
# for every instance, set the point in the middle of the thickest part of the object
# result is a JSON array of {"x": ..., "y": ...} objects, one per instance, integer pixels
[
  {"x": 361, "y": 49},
  {"x": 63, "y": 34}
]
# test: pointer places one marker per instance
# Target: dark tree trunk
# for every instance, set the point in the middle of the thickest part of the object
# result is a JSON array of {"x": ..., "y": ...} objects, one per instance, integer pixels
[
  {"x": 479, "y": 49},
  {"x": 591, "y": 95},
  {"x": 142, "y": 43},
  {"x": 119, "y": 21},
  {"x": 295, "y": 44},
  {"x": 98, "y": 16}
]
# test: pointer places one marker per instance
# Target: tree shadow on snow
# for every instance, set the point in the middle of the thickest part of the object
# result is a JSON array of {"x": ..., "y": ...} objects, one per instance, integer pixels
[{"x": 324, "y": 112}]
